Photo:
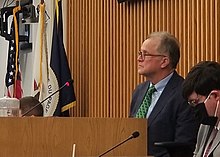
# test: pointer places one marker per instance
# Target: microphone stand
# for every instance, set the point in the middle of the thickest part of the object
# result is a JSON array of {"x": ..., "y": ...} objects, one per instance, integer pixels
[{"x": 116, "y": 146}]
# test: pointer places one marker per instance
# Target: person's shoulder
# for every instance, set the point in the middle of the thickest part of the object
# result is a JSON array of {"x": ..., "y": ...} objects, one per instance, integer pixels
[
  {"x": 176, "y": 80},
  {"x": 177, "y": 76},
  {"x": 141, "y": 86}
]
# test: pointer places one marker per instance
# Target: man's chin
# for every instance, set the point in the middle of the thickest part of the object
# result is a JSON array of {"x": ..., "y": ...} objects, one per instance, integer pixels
[{"x": 140, "y": 72}]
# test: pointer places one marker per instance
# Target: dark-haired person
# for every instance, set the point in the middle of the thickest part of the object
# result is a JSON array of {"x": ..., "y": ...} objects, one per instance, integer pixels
[
  {"x": 170, "y": 118},
  {"x": 26, "y": 103},
  {"x": 202, "y": 90}
]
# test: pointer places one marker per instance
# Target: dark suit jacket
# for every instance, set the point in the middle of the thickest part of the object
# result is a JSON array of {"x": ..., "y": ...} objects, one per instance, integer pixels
[{"x": 172, "y": 118}]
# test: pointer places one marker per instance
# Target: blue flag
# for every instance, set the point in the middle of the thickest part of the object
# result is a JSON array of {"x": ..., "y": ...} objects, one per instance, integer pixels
[{"x": 59, "y": 65}]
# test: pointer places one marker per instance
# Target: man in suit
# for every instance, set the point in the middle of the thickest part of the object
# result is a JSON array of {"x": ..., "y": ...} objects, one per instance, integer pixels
[
  {"x": 170, "y": 118},
  {"x": 202, "y": 89}
]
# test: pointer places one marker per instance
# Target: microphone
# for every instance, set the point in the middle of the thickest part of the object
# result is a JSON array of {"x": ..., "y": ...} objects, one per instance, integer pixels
[
  {"x": 133, "y": 135},
  {"x": 67, "y": 84}
]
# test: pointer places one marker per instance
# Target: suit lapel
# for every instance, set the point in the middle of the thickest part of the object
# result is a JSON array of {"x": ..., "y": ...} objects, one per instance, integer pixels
[
  {"x": 162, "y": 101},
  {"x": 206, "y": 135},
  {"x": 215, "y": 143},
  {"x": 203, "y": 135}
]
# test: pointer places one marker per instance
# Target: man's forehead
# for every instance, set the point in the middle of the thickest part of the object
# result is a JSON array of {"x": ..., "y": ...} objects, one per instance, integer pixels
[{"x": 153, "y": 42}]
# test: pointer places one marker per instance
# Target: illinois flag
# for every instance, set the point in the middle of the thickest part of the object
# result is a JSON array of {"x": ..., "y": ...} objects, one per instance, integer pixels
[
  {"x": 13, "y": 75},
  {"x": 50, "y": 75},
  {"x": 41, "y": 69},
  {"x": 59, "y": 65}
]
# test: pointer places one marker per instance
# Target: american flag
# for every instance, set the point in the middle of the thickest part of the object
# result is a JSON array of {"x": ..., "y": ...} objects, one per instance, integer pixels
[
  {"x": 13, "y": 75},
  {"x": 13, "y": 84}
]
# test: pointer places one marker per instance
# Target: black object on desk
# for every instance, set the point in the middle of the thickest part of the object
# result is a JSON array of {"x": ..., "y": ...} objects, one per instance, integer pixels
[{"x": 176, "y": 149}]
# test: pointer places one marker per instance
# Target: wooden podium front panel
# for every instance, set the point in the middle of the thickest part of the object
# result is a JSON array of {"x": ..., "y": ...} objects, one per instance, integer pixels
[{"x": 55, "y": 136}]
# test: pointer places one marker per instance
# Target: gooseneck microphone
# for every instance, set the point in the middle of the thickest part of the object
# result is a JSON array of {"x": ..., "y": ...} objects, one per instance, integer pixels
[
  {"x": 67, "y": 84},
  {"x": 133, "y": 135}
]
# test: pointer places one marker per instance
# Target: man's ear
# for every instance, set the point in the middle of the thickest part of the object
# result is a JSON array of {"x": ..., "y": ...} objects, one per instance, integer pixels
[
  {"x": 216, "y": 94},
  {"x": 165, "y": 62}
]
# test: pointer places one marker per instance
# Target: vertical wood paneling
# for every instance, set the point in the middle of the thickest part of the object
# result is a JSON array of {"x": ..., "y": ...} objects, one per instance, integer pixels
[
  {"x": 104, "y": 37},
  {"x": 91, "y": 61},
  {"x": 198, "y": 20},
  {"x": 192, "y": 52}
]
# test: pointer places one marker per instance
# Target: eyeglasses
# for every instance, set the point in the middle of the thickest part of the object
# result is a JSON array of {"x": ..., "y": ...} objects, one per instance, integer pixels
[
  {"x": 196, "y": 101},
  {"x": 193, "y": 103},
  {"x": 143, "y": 55}
]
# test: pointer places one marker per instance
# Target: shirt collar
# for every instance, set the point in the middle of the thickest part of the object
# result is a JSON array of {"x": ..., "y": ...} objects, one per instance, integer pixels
[
  {"x": 162, "y": 83},
  {"x": 218, "y": 126}
]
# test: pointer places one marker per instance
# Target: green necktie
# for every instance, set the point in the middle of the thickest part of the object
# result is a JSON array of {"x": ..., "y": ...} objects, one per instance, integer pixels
[{"x": 142, "y": 111}]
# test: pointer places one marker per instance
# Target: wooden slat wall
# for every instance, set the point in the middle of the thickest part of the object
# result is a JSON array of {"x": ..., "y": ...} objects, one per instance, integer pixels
[{"x": 104, "y": 37}]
